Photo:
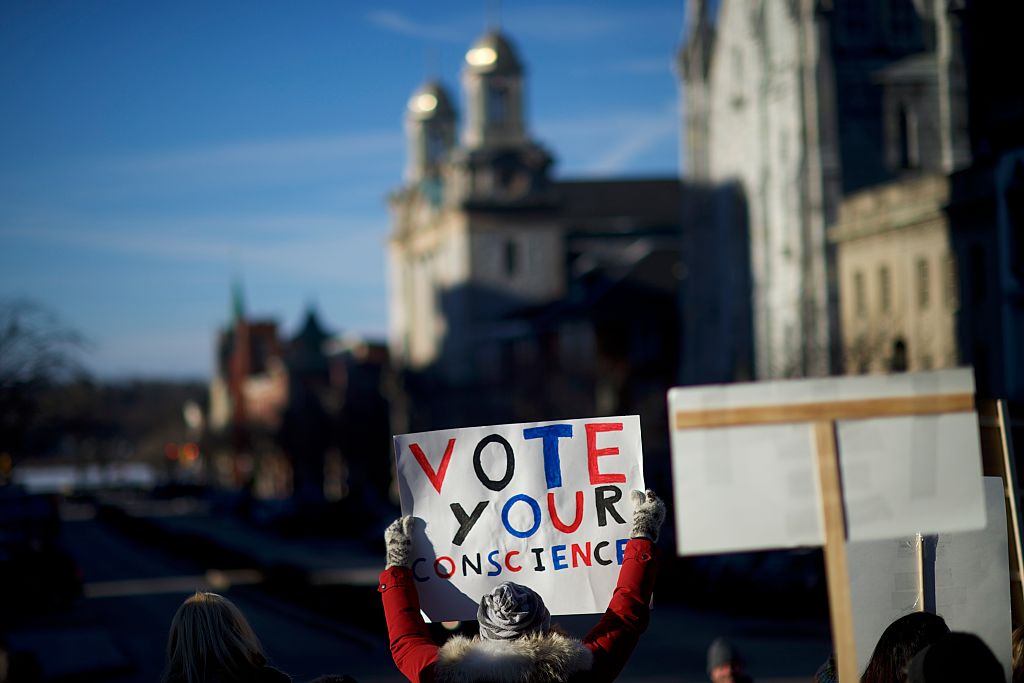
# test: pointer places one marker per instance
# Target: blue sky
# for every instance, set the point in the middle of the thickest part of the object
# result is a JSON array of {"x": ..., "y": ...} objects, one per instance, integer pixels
[{"x": 151, "y": 152}]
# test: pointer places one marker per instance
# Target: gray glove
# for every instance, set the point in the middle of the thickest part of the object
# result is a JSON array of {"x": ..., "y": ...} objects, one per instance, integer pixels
[
  {"x": 648, "y": 514},
  {"x": 398, "y": 540}
]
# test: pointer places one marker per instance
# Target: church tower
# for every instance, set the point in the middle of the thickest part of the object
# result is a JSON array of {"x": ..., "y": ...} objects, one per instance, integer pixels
[
  {"x": 497, "y": 164},
  {"x": 430, "y": 132},
  {"x": 476, "y": 233},
  {"x": 493, "y": 82}
]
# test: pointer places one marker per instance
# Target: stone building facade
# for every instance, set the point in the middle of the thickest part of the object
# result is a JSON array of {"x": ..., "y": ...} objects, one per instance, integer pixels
[
  {"x": 803, "y": 102},
  {"x": 890, "y": 127},
  {"x": 758, "y": 114},
  {"x": 897, "y": 277}
]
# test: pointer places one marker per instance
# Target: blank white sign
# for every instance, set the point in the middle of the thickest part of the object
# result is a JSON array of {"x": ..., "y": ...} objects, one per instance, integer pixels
[
  {"x": 972, "y": 582},
  {"x": 756, "y": 487}
]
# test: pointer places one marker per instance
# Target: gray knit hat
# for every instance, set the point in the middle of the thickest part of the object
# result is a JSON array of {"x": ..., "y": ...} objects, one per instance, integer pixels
[{"x": 510, "y": 611}]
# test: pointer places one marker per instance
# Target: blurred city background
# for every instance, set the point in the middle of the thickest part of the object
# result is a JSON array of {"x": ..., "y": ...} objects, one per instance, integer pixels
[{"x": 243, "y": 244}]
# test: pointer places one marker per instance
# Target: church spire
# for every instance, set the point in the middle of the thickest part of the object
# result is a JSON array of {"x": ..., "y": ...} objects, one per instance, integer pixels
[{"x": 237, "y": 301}]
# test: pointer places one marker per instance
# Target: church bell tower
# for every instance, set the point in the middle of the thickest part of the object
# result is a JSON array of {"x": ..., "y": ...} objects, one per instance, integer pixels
[
  {"x": 430, "y": 132},
  {"x": 493, "y": 82}
]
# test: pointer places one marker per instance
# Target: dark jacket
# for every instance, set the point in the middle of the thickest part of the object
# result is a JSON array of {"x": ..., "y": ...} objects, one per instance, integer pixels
[{"x": 263, "y": 674}]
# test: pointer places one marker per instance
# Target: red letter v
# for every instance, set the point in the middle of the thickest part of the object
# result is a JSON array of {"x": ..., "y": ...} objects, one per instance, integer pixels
[{"x": 436, "y": 478}]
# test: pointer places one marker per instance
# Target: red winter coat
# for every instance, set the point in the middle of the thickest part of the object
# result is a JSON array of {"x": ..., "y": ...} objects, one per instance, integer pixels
[{"x": 549, "y": 657}]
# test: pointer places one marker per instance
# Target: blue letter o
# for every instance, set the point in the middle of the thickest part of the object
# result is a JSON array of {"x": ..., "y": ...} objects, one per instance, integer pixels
[{"x": 536, "y": 516}]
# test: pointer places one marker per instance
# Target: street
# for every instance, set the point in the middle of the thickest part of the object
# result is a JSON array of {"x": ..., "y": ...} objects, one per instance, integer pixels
[
  {"x": 127, "y": 631},
  {"x": 133, "y": 584}
]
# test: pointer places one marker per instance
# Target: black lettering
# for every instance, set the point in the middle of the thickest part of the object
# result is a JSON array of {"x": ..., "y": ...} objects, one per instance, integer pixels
[
  {"x": 606, "y": 497},
  {"x": 597, "y": 553},
  {"x": 540, "y": 563},
  {"x": 510, "y": 463},
  {"x": 466, "y": 522},
  {"x": 467, "y": 562}
]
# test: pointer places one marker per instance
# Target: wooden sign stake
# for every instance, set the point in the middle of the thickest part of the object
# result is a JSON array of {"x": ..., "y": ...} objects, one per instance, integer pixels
[
  {"x": 836, "y": 568},
  {"x": 1009, "y": 474}
]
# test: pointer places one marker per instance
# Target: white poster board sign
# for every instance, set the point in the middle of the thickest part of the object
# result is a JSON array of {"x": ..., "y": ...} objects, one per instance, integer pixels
[
  {"x": 885, "y": 584},
  {"x": 755, "y": 487},
  {"x": 971, "y": 581},
  {"x": 543, "y": 504},
  {"x": 972, "y": 578}
]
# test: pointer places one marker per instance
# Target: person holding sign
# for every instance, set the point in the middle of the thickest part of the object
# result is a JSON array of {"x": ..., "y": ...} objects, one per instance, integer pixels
[{"x": 517, "y": 641}]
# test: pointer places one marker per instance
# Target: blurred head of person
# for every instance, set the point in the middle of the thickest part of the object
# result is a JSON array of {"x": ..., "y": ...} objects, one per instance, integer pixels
[
  {"x": 210, "y": 640},
  {"x": 725, "y": 663},
  {"x": 956, "y": 657},
  {"x": 900, "y": 641}
]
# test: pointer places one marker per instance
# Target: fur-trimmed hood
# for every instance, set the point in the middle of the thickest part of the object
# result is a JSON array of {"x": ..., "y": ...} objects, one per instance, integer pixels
[{"x": 542, "y": 658}]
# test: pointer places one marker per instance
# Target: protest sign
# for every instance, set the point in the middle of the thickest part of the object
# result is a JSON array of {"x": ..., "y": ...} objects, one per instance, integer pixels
[
  {"x": 758, "y": 466},
  {"x": 543, "y": 504},
  {"x": 963, "y": 577},
  {"x": 754, "y": 486},
  {"x": 885, "y": 584}
]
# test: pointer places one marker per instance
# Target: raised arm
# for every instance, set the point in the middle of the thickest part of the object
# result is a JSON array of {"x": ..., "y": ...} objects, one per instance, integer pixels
[
  {"x": 412, "y": 648},
  {"x": 613, "y": 639}
]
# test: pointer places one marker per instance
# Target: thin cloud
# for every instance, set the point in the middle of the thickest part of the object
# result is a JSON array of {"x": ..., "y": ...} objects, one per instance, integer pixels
[
  {"x": 544, "y": 22},
  {"x": 634, "y": 144},
  {"x": 395, "y": 22},
  {"x": 355, "y": 164},
  {"x": 289, "y": 151},
  {"x": 625, "y": 137},
  {"x": 311, "y": 247},
  {"x": 558, "y": 23}
]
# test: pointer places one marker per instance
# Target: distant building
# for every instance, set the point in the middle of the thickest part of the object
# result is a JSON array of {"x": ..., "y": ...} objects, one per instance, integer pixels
[
  {"x": 476, "y": 233},
  {"x": 940, "y": 241},
  {"x": 249, "y": 385},
  {"x": 897, "y": 277},
  {"x": 758, "y": 114},
  {"x": 896, "y": 271},
  {"x": 888, "y": 124},
  {"x": 301, "y": 417},
  {"x": 248, "y": 392},
  {"x": 802, "y": 103}
]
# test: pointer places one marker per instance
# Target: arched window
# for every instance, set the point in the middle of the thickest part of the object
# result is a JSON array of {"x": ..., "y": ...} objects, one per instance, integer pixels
[{"x": 898, "y": 359}]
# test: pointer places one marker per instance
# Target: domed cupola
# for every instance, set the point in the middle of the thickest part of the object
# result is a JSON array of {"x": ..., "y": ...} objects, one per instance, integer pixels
[
  {"x": 430, "y": 130},
  {"x": 493, "y": 54},
  {"x": 493, "y": 81},
  {"x": 430, "y": 102}
]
